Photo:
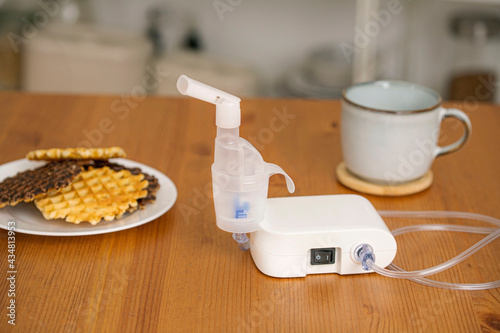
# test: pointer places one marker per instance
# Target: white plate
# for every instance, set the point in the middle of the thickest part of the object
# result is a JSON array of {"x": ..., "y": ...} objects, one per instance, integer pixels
[{"x": 29, "y": 220}]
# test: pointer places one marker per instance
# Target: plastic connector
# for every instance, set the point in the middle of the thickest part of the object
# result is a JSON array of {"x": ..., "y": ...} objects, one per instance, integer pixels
[
  {"x": 242, "y": 240},
  {"x": 363, "y": 253}
]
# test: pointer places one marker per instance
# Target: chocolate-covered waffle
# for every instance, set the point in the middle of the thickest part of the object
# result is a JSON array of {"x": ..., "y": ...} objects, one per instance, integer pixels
[{"x": 29, "y": 185}]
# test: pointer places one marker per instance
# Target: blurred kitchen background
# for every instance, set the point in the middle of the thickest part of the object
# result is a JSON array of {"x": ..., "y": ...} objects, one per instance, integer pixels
[{"x": 270, "y": 48}]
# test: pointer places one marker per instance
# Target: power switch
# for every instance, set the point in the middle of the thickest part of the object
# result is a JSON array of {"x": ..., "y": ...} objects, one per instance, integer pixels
[{"x": 322, "y": 256}]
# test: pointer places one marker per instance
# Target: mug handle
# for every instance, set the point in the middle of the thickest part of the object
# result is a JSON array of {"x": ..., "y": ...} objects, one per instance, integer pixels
[{"x": 464, "y": 119}]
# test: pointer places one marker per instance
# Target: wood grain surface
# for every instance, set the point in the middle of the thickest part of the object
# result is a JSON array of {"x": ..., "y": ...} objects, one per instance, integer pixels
[{"x": 180, "y": 273}]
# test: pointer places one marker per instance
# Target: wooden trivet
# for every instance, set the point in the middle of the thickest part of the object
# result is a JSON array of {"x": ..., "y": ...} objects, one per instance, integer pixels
[{"x": 353, "y": 182}]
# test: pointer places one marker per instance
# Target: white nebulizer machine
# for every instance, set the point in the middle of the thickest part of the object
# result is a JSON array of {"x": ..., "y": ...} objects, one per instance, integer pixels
[{"x": 297, "y": 236}]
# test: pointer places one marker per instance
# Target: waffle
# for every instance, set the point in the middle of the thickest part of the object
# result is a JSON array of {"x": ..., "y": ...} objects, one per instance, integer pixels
[
  {"x": 76, "y": 153},
  {"x": 95, "y": 194},
  {"x": 28, "y": 185},
  {"x": 153, "y": 184}
]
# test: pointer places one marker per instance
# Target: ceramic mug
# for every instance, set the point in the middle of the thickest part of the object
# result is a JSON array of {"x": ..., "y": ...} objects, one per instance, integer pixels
[{"x": 390, "y": 130}]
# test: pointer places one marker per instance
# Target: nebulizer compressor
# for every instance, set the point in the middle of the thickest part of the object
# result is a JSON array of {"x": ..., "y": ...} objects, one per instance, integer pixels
[{"x": 297, "y": 236}]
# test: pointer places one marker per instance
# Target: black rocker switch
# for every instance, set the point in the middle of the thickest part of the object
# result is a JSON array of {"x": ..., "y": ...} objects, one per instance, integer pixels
[{"x": 322, "y": 256}]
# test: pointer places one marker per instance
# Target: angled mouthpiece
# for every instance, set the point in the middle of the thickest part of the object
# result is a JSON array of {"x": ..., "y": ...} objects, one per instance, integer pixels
[{"x": 228, "y": 112}]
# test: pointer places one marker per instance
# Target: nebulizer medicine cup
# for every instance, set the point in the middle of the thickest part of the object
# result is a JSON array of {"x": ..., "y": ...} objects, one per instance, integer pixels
[{"x": 240, "y": 201}]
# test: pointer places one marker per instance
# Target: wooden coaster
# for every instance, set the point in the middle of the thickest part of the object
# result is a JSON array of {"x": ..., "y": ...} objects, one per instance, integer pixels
[{"x": 355, "y": 183}]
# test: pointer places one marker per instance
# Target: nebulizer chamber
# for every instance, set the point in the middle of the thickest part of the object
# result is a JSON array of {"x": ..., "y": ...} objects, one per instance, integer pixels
[{"x": 240, "y": 176}]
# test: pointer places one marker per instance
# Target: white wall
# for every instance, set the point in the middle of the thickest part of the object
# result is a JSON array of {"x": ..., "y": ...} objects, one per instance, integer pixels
[
  {"x": 272, "y": 36},
  {"x": 432, "y": 50}
]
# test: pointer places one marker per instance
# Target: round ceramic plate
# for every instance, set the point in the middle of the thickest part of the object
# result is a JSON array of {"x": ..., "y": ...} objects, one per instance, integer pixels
[{"x": 29, "y": 220}]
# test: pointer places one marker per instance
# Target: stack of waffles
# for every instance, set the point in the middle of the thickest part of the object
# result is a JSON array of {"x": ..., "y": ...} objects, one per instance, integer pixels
[{"x": 80, "y": 184}]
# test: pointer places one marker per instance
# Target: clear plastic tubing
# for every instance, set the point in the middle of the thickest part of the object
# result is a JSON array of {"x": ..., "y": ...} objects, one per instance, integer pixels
[{"x": 368, "y": 258}]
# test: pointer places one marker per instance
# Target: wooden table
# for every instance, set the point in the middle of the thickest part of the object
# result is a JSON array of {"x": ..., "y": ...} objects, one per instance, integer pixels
[{"x": 181, "y": 273}]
